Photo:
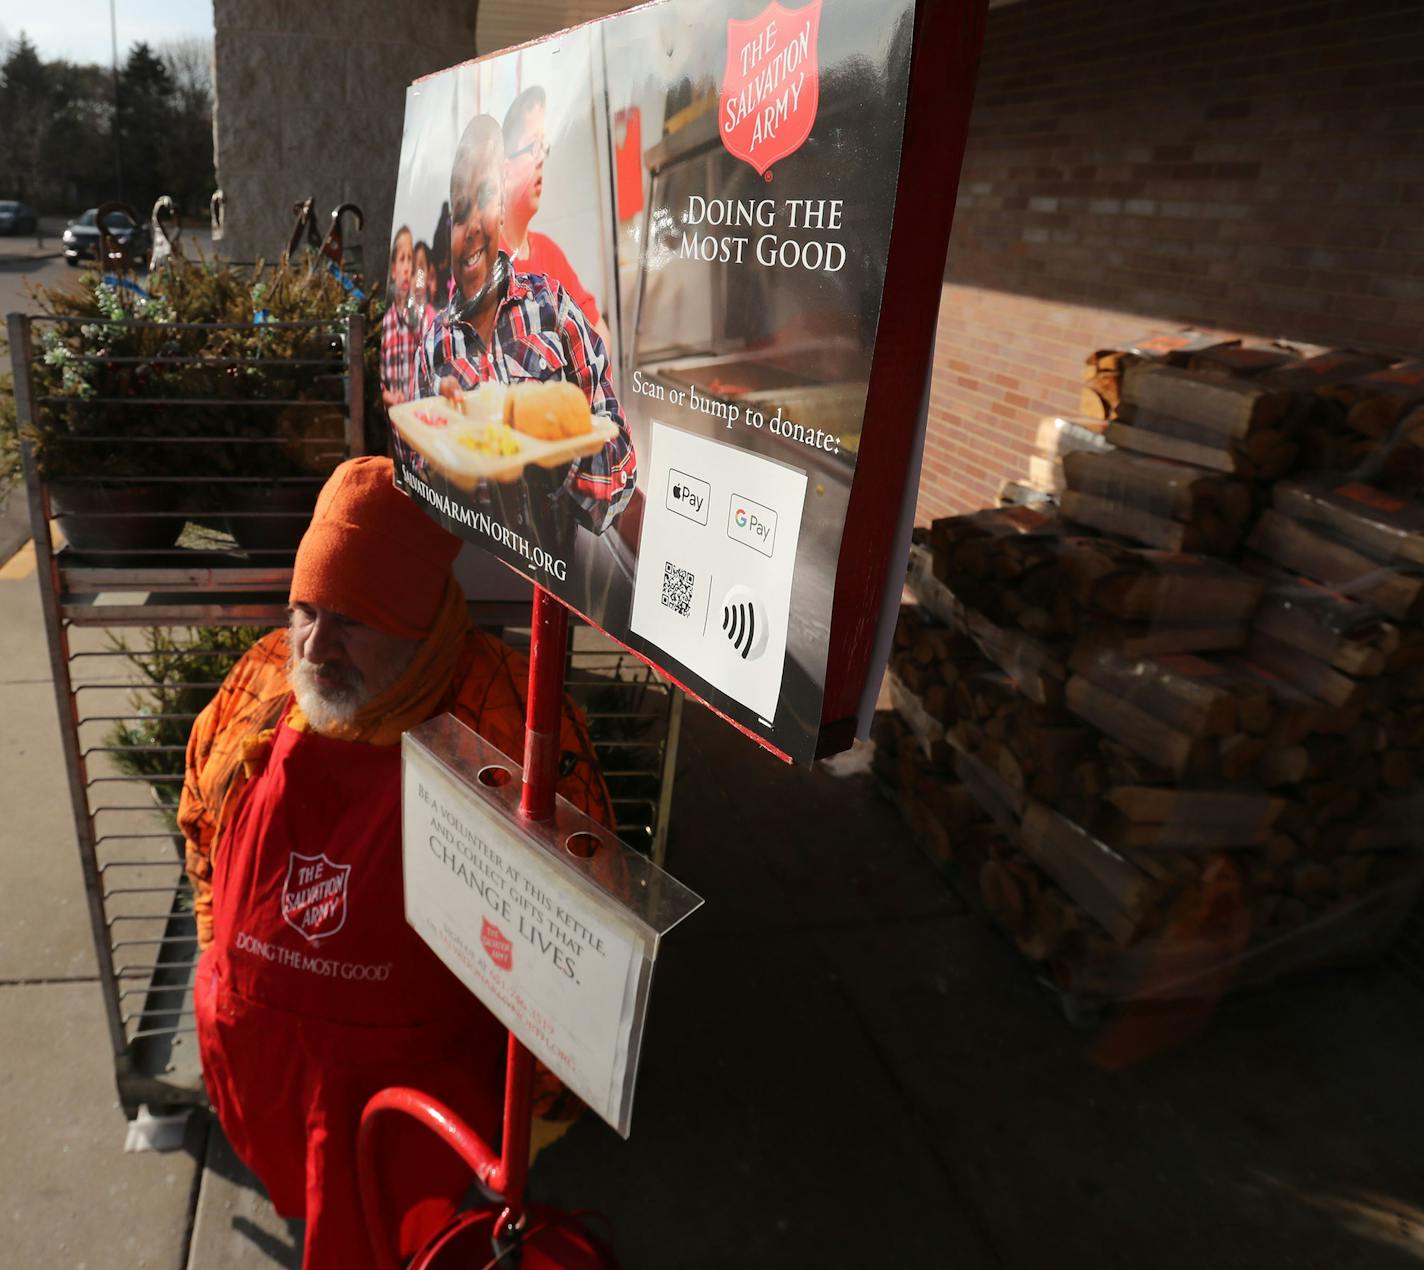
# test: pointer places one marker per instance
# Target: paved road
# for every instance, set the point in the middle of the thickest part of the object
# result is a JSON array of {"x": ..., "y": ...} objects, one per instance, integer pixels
[
  {"x": 19, "y": 269},
  {"x": 21, "y": 265}
]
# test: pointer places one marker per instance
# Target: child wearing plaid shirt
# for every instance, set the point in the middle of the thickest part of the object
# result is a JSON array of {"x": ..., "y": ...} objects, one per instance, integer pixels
[{"x": 401, "y": 327}]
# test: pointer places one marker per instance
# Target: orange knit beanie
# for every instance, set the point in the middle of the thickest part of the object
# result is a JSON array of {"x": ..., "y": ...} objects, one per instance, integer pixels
[{"x": 372, "y": 555}]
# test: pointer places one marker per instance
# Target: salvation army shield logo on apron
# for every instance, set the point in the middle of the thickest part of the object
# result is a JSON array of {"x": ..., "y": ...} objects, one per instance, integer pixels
[
  {"x": 314, "y": 895},
  {"x": 772, "y": 84}
]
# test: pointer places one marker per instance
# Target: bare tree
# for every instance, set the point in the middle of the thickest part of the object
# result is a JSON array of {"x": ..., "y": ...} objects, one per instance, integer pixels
[{"x": 190, "y": 63}]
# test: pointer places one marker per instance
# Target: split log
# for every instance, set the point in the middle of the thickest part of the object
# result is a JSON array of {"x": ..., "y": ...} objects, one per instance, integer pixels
[
  {"x": 1293, "y": 715},
  {"x": 1379, "y": 525},
  {"x": 1112, "y": 890},
  {"x": 1314, "y": 678},
  {"x": 1004, "y": 805},
  {"x": 1374, "y": 403},
  {"x": 1324, "y": 624},
  {"x": 1401, "y": 458},
  {"x": 1229, "y": 408},
  {"x": 1156, "y": 586},
  {"x": 1132, "y": 523},
  {"x": 1303, "y": 550},
  {"x": 1132, "y": 837},
  {"x": 1185, "y": 757},
  {"x": 1217, "y": 506},
  {"x": 1178, "y": 691},
  {"x": 1250, "y": 814},
  {"x": 1265, "y": 455}
]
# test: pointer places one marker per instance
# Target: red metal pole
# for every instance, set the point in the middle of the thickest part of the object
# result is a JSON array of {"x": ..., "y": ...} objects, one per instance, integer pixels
[
  {"x": 506, "y": 1175},
  {"x": 548, "y": 648}
]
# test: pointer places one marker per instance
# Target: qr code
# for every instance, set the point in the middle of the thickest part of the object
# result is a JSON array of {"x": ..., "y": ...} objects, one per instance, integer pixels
[{"x": 677, "y": 589}]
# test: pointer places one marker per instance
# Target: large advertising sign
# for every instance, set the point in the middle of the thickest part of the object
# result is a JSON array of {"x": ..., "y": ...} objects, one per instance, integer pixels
[{"x": 646, "y": 276}]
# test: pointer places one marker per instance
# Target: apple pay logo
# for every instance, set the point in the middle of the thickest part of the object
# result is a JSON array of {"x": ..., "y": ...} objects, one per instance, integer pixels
[{"x": 687, "y": 496}]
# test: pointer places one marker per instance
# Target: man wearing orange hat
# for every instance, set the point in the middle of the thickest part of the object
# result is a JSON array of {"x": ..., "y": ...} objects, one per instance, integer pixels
[{"x": 312, "y": 992}]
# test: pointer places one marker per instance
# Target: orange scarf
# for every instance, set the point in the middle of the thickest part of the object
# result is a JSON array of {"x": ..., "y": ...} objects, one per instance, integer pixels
[{"x": 413, "y": 698}]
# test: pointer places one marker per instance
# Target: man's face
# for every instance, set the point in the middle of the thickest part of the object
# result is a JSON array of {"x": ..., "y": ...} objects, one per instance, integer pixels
[
  {"x": 476, "y": 211},
  {"x": 400, "y": 268},
  {"x": 524, "y": 168},
  {"x": 338, "y": 665}
]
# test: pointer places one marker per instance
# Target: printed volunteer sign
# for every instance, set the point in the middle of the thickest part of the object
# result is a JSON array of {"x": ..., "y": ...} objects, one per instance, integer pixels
[
  {"x": 664, "y": 292},
  {"x": 558, "y": 946}
]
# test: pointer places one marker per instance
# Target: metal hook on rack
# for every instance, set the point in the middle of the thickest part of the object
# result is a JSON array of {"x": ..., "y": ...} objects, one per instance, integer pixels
[
  {"x": 333, "y": 245},
  {"x": 165, "y": 244},
  {"x": 114, "y": 257},
  {"x": 304, "y": 228}
]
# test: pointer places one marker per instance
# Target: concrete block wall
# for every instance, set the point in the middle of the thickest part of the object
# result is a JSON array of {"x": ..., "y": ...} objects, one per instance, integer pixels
[
  {"x": 311, "y": 102},
  {"x": 1253, "y": 168}
]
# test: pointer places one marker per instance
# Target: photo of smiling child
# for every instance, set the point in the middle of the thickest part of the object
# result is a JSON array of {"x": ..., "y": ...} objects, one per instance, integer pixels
[{"x": 505, "y": 327}]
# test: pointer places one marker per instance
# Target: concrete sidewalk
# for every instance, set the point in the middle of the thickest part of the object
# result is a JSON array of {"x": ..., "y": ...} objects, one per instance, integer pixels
[{"x": 843, "y": 1068}]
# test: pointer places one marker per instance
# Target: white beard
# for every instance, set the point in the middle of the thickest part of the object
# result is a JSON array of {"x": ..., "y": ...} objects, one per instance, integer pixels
[{"x": 326, "y": 704}]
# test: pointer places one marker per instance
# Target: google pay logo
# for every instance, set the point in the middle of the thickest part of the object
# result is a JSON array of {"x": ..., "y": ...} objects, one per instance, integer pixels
[{"x": 751, "y": 524}]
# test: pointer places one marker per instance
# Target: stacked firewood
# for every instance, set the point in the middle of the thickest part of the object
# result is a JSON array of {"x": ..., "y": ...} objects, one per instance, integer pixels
[
  {"x": 1197, "y": 688},
  {"x": 952, "y": 825},
  {"x": 1059, "y": 436}
]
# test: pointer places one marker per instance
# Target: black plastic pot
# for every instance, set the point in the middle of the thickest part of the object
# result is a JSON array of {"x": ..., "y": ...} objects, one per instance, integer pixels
[
  {"x": 97, "y": 517},
  {"x": 270, "y": 517}
]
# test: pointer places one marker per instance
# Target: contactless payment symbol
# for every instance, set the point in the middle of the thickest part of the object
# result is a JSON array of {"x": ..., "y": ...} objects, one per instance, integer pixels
[
  {"x": 500, "y": 950},
  {"x": 744, "y": 622}
]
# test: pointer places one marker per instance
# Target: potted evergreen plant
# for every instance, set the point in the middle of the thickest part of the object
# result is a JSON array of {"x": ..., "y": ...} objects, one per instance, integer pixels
[{"x": 140, "y": 426}]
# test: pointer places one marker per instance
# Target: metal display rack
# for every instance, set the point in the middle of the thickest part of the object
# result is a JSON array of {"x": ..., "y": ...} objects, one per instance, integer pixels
[
  {"x": 635, "y": 718},
  {"x": 139, "y": 898}
]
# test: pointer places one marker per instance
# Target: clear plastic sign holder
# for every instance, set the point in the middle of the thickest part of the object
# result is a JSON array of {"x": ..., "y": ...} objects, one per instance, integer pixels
[{"x": 553, "y": 924}]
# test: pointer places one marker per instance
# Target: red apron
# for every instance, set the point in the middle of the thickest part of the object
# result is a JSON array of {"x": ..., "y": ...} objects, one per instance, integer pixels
[{"x": 315, "y": 994}]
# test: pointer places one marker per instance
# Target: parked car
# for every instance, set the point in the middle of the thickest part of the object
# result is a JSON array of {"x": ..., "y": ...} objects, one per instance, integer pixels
[
  {"x": 16, "y": 218},
  {"x": 81, "y": 237}
]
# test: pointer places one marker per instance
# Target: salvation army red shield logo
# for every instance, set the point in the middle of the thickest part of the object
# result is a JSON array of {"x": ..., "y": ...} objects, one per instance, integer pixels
[
  {"x": 314, "y": 895},
  {"x": 500, "y": 950},
  {"x": 772, "y": 84}
]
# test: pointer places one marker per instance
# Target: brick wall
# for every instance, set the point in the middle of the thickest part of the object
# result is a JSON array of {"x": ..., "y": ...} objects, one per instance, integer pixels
[{"x": 1255, "y": 168}]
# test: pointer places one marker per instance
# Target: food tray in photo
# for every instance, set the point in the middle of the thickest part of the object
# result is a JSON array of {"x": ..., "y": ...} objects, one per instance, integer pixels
[{"x": 439, "y": 442}]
